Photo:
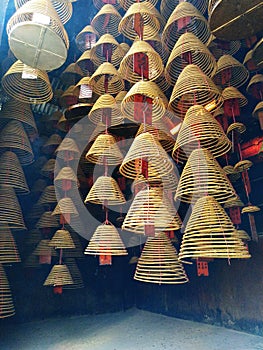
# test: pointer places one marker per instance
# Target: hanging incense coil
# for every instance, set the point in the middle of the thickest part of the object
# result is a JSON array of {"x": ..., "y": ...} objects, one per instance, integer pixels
[
  {"x": 249, "y": 62},
  {"x": 243, "y": 235},
  {"x": 258, "y": 113},
  {"x": 75, "y": 274},
  {"x": 231, "y": 92},
  {"x": 43, "y": 249},
  {"x": 155, "y": 64},
  {"x": 12, "y": 174},
  {"x": 32, "y": 237},
  {"x": 85, "y": 64},
  {"x": 221, "y": 47},
  {"x": 159, "y": 263},
  {"x": 148, "y": 90},
  {"x": 76, "y": 252},
  {"x": 58, "y": 276},
  {"x": 200, "y": 129},
  {"x": 151, "y": 208},
  {"x": 71, "y": 75},
  {"x": 66, "y": 173},
  {"x": 106, "y": 74},
  {"x": 69, "y": 97},
  {"x": 7, "y": 308},
  {"x": 26, "y": 84},
  {"x": 68, "y": 148},
  {"x": 162, "y": 83},
  {"x": 189, "y": 49},
  {"x": 98, "y": 57},
  {"x": 203, "y": 175},
  {"x": 48, "y": 168},
  {"x": 126, "y": 4},
  {"x": 104, "y": 147},
  {"x": 195, "y": 23},
  {"x": 86, "y": 38},
  {"x": 257, "y": 54},
  {"x": 193, "y": 87},
  {"x": 107, "y": 21},
  {"x": 35, "y": 212},
  {"x": 237, "y": 127},
  {"x": 63, "y": 124},
  {"x": 120, "y": 96},
  {"x": 234, "y": 203},
  {"x": 156, "y": 43},
  {"x": 8, "y": 248},
  {"x": 62, "y": 240},
  {"x": 168, "y": 6},
  {"x": 53, "y": 141},
  {"x": 65, "y": 206},
  {"x": 243, "y": 165},
  {"x": 250, "y": 209},
  {"x": 106, "y": 241},
  {"x": 230, "y": 72},
  {"x": 105, "y": 190},
  {"x": 212, "y": 237},
  {"x": 255, "y": 86},
  {"x": 47, "y": 221},
  {"x": 151, "y": 18},
  {"x": 106, "y": 108}
]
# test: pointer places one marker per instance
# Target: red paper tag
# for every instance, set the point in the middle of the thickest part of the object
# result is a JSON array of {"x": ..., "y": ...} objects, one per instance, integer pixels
[
  {"x": 138, "y": 24},
  {"x": 149, "y": 230},
  {"x": 253, "y": 228},
  {"x": 235, "y": 215},
  {"x": 65, "y": 218},
  {"x": 122, "y": 183},
  {"x": 106, "y": 83},
  {"x": 257, "y": 91},
  {"x": 106, "y": 116},
  {"x": 231, "y": 108},
  {"x": 226, "y": 76},
  {"x": 183, "y": 22},
  {"x": 107, "y": 51},
  {"x": 58, "y": 290},
  {"x": 45, "y": 259},
  {"x": 105, "y": 260},
  {"x": 187, "y": 56},
  {"x": 142, "y": 109},
  {"x": 68, "y": 156},
  {"x": 106, "y": 20},
  {"x": 66, "y": 184},
  {"x": 202, "y": 267},
  {"x": 141, "y": 64},
  {"x": 112, "y": 2},
  {"x": 144, "y": 170},
  {"x": 90, "y": 40}
]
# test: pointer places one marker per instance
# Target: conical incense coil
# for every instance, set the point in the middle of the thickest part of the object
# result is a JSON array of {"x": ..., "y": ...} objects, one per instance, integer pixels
[
  {"x": 150, "y": 208},
  {"x": 65, "y": 207},
  {"x": 212, "y": 236},
  {"x": 126, "y": 4},
  {"x": 152, "y": 20},
  {"x": 243, "y": 165},
  {"x": 11, "y": 215},
  {"x": 167, "y": 6},
  {"x": 32, "y": 237},
  {"x": 14, "y": 138},
  {"x": 156, "y": 43},
  {"x": 67, "y": 149},
  {"x": 230, "y": 72},
  {"x": 220, "y": 47},
  {"x": 250, "y": 63},
  {"x": 35, "y": 213},
  {"x": 237, "y": 127},
  {"x": 162, "y": 83},
  {"x": 147, "y": 90},
  {"x": 8, "y": 248},
  {"x": 202, "y": 175},
  {"x": 76, "y": 252},
  {"x": 250, "y": 209},
  {"x": 234, "y": 203},
  {"x": 48, "y": 168},
  {"x": 146, "y": 147},
  {"x": 256, "y": 83},
  {"x": 12, "y": 174},
  {"x": 232, "y": 93},
  {"x": 86, "y": 38},
  {"x": 66, "y": 174},
  {"x": 189, "y": 49},
  {"x": 71, "y": 75},
  {"x": 75, "y": 274},
  {"x": 53, "y": 141},
  {"x": 200, "y": 129},
  {"x": 243, "y": 235},
  {"x": 7, "y": 308},
  {"x": 85, "y": 64},
  {"x": 98, "y": 56},
  {"x": 62, "y": 240},
  {"x": 69, "y": 97},
  {"x": 58, "y": 276},
  {"x": 104, "y": 148},
  {"x": 155, "y": 64},
  {"x": 159, "y": 263},
  {"x": 257, "y": 112},
  {"x": 106, "y": 111},
  {"x": 105, "y": 189},
  {"x": 195, "y": 23},
  {"x": 106, "y": 74},
  {"x": 47, "y": 221},
  {"x": 43, "y": 249},
  {"x": 193, "y": 87},
  {"x": 18, "y": 83},
  {"x": 48, "y": 196},
  {"x": 107, "y": 21},
  {"x": 120, "y": 96},
  {"x": 106, "y": 241}
]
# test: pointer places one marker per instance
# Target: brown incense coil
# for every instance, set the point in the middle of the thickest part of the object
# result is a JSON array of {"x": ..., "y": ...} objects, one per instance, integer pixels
[
  {"x": 107, "y": 74},
  {"x": 14, "y": 138},
  {"x": 32, "y": 237},
  {"x": 8, "y": 249},
  {"x": 107, "y": 21},
  {"x": 151, "y": 18},
  {"x": 104, "y": 147},
  {"x": 126, "y": 4},
  {"x": 11, "y": 215},
  {"x": 221, "y": 47},
  {"x": 85, "y": 64},
  {"x": 250, "y": 209},
  {"x": 229, "y": 169},
  {"x": 76, "y": 252},
  {"x": 214, "y": 236},
  {"x": 120, "y": 96},
  {"x": 48, "y": 169},
  {"x": 218, "y": 112},
  {"x": 151, "y": 208},
  {"x": 47, "y": 221},
  {"x": 243, "y": 235},
  {"x": 75, "y": 274},
  {"x": 96, "y": 53},
  {"x": 68, "y": 145},
  {"x": 58, "y": 276},
  {"x": 62, "y": 240},
  {"x": 202, "y": 175},
  {"x": 162, "y": 83},
  {"x": 147, "y": 89},
  {"x": 12, "y": 174},
  {"x": 193, "y": 87},
  {"x": 66, "y": 173},
  {"x": 105, "y": 190},
  {"x": 25, "y": 89},
  {"x": 53, "y": 140},
  {"x": 106, "y": 105},
  {"x": 71, "y": 75},
  {"x": 231, "y": 92},
  {"x": 243, "y": 165},
  {"x": 63, "y": 124},
  {"x": 7, "y": 308},
  {"x": 145, "y": 146},
  {"x": 200, "y": 129},
  {"x": 197, "y": 24},
  {"x": 43, "y": 248},
  {"x": 230, "y": 72},
  {"x": 106, "y": 241},
  {"x": 234, "y": 177},
  {"x": 86, "y": 38},
  {"x": 100, "y": 3},
  {"x": 168, "y": 6},
  {"x": 69, "y": 97},
  {"x": 249, "y": 62},
  {"x": 258, "y": 53},
  {"x": 189, "y": 49},
  {"x": 155, "y": 64},
  {"x": 255, "y": 81},
  {"x": 65, "y": 206},
  {"x": 159, "y": 263},
  {"x": 234, "y": 203},
  {"x": 237, "y": 127}
]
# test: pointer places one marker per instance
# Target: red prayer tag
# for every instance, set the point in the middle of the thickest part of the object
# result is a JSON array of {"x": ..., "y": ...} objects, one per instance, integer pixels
[
  {"x": 141, "y": 64},
  {"x": 202, "y": 267},
  {"x": 226, "y": 76},
  {"x": 144, "y": 170},
  {"x": 183, "y": 22},
  {"x": 45, "y": 259},
  {"x": 58, "y": 290},
  {"x": 66, "y": 184},
  {"x": 235, "y": 215},
  {"x": 138, "y": 24},
  {"x": 105, "y": 260},
  {"x": 149, "y": 230},
  {"x": 107, "y": 51},
  {"x": 231, "y": 108}
]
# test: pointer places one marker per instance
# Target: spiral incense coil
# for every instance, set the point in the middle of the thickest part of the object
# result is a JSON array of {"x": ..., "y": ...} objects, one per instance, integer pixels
[
  {"x": 243, "y": 235},
  {"x": 26, "y": 84},
  {"x": 106, "y": 241},
  {"x": 257, "y": 54},
  {"x": 197, "y": 24},
  {"x": 250, "y": 209},
  {"x": 106, "y": 72},
  {"x": 53, "y": 140},
  {"x": 69, "y": 97},
  {"x": 154, "y": 61},
  {"x": 212, "y": 237},
  {"x": 48, "y": 168},
  {"x": 152, "y": 20},
  {"x": 43, "y": 248},
  {"x": 162, "y": 83},
  {"x": 203, "y": 175},
  {"x": 193, "y": 87},
  {"x": 200, "y": 129},
  {"x": 14, "y": 138},
  {"x": 104, "y": 148},
  {"x": 189, "y": 49},
  {"x": 156, "y": 43},
  {"x": 238, "y": 127},
  {"x": 147, "y": 89},
  {"x": 120, "y": 96},
  {"x": 7, "y": 308},
  {"x": 58, "y": 276},
  {"x": 76, "y": 252},
  {"x": 255, "y": 81},
  {"x": 85, "y": 64},
  {"x": 168, "y": 6},
  {"x": 68, "y": 145},
  {"x": 65, "y": 206},
  {"x": 106, "y": 104},
  {"x": 230, "y": 72},
  {"x": 75, "y": 274},
  {"x": 249, "y": 62},
  {"x": 220, "y": 47},
  {"x": 66, "y": 173},
  {"x": 159, "y": 263},
  {"x": 32, "y": 237},
  {"x": 62, "y": 240},
  {"x": 232, "y": 93},
  {"x": 47, "y": 221},
  {"x": 86, "y": 38},
  {"x": 71, "y": 75},
  {"x": 107, "y": 20},
  {"x": 145, "y": 146},
  {"x": 126, "y": 4},
  {"x": 234, "y": 203},
  {"x": 48, "y": 196},
  {"x": 229, "y": 169},
  {"x": 96, "y": 52},
  {"x": 243, "y": 165},
  {"x": 258, "y": 110},
  {"x": 8, "y": 248}
]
